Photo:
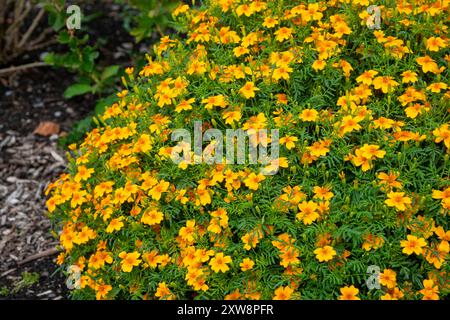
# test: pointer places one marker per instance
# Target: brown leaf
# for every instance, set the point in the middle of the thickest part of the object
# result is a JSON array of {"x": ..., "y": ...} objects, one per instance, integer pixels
[{"x": 47, "y": 128}]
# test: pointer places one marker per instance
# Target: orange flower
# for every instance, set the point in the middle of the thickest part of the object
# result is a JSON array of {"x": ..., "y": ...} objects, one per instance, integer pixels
[
  {"x": 163, "y": 292},
  {"x": 349, "y": 293},
  {"x": 283, "y": 293}
]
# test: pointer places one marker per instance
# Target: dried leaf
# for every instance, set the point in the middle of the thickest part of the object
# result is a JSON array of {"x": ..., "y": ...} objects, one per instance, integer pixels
[{"x": 47, "y": 128}]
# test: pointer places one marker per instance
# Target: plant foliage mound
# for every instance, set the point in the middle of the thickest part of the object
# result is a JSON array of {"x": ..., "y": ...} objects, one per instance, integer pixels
[{"x": 359, "y": 208}]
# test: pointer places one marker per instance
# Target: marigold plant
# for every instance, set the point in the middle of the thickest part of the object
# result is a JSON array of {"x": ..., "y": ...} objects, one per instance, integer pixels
[{"x": 363, "y": 115}]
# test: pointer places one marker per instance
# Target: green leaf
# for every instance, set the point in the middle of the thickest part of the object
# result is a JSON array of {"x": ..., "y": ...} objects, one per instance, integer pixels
[
  {"x": 109, "y": 72},
  {"x": 64, "y": 37},
  {"x": 77, "y": 89}
]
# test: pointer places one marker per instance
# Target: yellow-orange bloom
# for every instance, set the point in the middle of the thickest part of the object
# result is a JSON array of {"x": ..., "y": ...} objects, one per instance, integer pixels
[{"x": 413, "y": 245}]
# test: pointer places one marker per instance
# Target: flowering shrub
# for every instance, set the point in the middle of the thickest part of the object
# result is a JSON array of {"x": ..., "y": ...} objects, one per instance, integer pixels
[{"x": 363, "y": 180}]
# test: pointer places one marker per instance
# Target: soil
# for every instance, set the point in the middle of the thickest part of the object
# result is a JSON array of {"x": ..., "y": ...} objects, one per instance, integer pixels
[{"x": 28, "y": 161}]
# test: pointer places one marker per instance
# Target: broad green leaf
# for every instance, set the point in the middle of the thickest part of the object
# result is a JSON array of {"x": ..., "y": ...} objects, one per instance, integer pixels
[{"x": 77, "y": 89}]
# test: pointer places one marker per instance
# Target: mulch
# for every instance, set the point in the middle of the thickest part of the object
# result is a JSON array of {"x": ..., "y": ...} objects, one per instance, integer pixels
[{"x": 28, "y": 162}]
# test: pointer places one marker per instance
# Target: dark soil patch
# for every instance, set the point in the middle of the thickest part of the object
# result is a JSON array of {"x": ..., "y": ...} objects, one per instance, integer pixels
[
  {"x": 28, "y": 162},
  {"x": 51, "y": 283}
]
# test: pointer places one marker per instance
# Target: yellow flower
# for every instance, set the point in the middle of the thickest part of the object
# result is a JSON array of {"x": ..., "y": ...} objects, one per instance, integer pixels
[
  {"x": 253, "y": 180},
  {"x": 437, "y": 87},
  {"x": 325, "y": 253},
  {"x": 372, "y": 151},
  {"x": 349, "y": 124},
  {"x": 319, "y": 148},
  {"x": 430, "y": 291},
  {"x": 219, "y": 263},
  {"x": 349, "y": 293},
  {"x": 442, "y": 134},
  {"x": 78, "y": 198},
  {"x": 204, "y": 195},
  {"x": 232, "y": 115},
  {"x": 283, "y": 34},
  {"x": 281, "y": 73},
  {"x": 289, "y": 141},
  {"x": 409, "y": 76},
  {"x": 215, "y": 101},
  {"x": 270, "y": 22},
  {"x": 115, "y": 225},
  {"x": 388, "y": 278},
  {"x": 413, "y": 245},
  {"x": 427, "y": 64},
  {"x": 129, "y": 260},
  {"x": 157, "y": 190},
  {"x": 248, "y": 90},
  {"x": 83, "y": 173},
  {"x": 319, "y": 65},
  {"x": 152, "y": 217},
  {"x": 247, "y": 264},
  {"x": 435, "y": 44},
  {"x": 129, "y": 70},
  {"x": 196, "y": 67},
  {"x": 182, "y": 8},
  {"x": 245, "y": 9},
  {"x": 187, "y": 232},
  {"x": 392, "y": 294},
  {"x": 102, "y": 290},
  {"x": 308, "y": 212},
  {"x": 240, "y": 51},
  {"x": 185, "y": 105},
  {"x": 386, "y": 84},
  {"x": 322, "y": 193},
  {"x": 163, "y": 292},
  {"x": 397, "y": 200},
  {"x": 283, "y": 293},
  {"x": 309, "y": 115},
  {"x": 143, "y": 144},
  {"x": 367, "y": 77}
]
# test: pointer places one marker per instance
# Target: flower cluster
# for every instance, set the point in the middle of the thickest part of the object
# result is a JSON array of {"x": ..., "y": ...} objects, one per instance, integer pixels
[{"x": 363, "y": 116}]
